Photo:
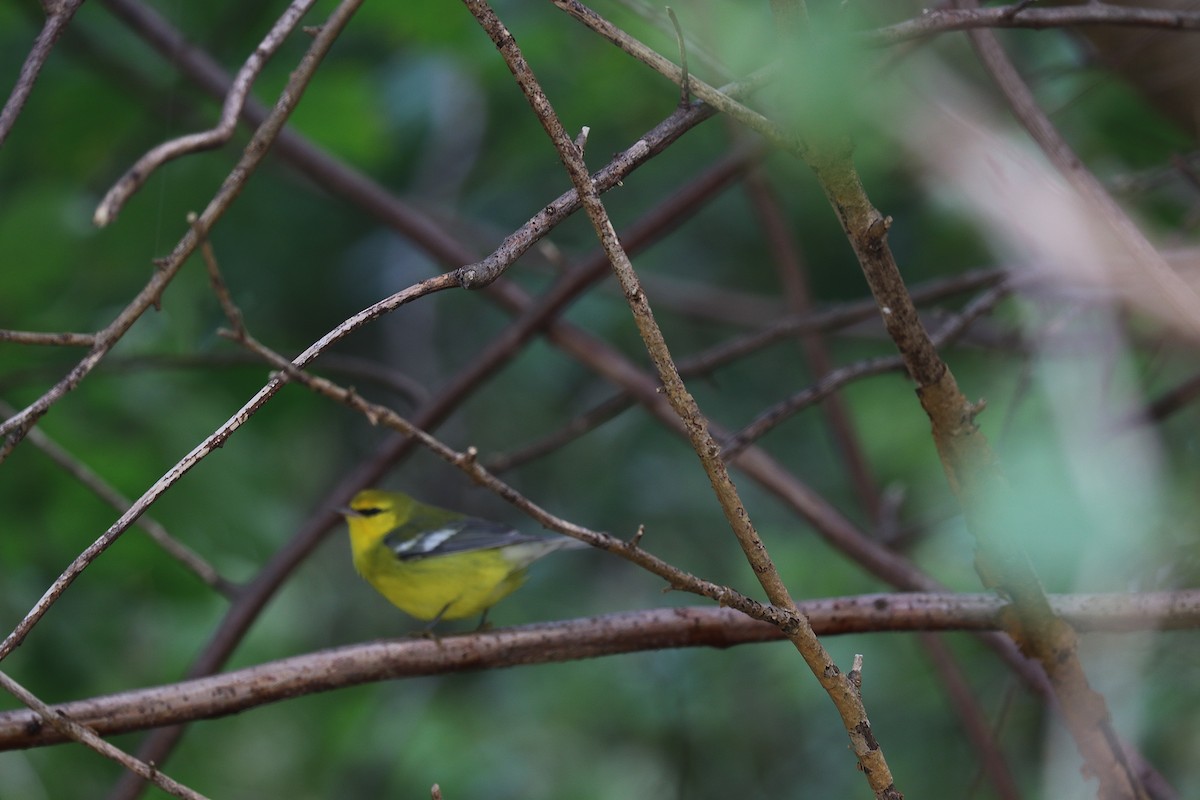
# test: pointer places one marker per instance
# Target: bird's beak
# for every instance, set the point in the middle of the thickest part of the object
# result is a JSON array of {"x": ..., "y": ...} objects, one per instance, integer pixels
[{"x": 347, "y": 511}]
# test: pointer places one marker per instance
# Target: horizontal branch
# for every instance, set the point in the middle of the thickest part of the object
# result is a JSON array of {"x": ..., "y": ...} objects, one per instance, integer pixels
[
  {"x": 62, "y": 339},
  {"x": 570, "y": 640},
  {"x": 1017, "y": 16}
]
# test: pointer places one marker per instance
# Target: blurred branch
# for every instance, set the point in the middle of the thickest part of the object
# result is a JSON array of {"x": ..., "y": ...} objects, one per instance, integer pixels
[
  {"x": 581, "y": 425},
  {"x": 951, "y": 680},
  {"x": 708, "y": 361},
  {"x": 1039, "y": 632},
  {"x": 1019, "y": 15},
  {"x": 136, "y": 176},
  {"x": 569, "y": 640},
  {"x": 1165, "y": 405},
  {"x": 1155, "y": 283},
  {"x": 98, "y": 486},
  {"x": 794, "y": 276},
  {"x": 836, "y": 379},
  {"x": 830, "y": 319},
  {"x": 58, "y": 14},
  {"x": 720, "y": 99},
  {"x": 354, "y": 367}
]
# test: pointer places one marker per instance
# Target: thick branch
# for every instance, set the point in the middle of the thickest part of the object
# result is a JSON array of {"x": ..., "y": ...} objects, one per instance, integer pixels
[{"x": 570, "y": 640}]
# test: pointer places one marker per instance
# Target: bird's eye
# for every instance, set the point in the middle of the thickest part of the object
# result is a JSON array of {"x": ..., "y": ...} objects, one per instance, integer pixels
[{"x": 369, "y": 512}]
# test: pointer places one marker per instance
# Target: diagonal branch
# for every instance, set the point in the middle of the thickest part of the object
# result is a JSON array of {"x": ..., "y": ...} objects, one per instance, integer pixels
[
  {"x": 844, "y": 692},
  {"x": 58, "y": 15},
  {"x": 98, "y": 486},
  {"x": 69, "y": 729}
]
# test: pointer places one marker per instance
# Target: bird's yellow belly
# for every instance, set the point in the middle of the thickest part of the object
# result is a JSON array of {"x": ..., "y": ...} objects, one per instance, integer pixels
[{"x": 465, "y": 585}]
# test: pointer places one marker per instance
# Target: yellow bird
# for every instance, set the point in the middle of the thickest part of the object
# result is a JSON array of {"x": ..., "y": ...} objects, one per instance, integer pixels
[{"x": 435, "y": 564}]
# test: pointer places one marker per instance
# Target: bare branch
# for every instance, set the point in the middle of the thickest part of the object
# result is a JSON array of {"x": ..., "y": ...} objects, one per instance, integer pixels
[
  {"x": 568, "y": 640},
  {"x": 943, "y": 20},
  {"x": 51, "y": 339},
  {"x": 137, "y": 175},
  {"x": 794, "y": 278},
  {"x": 1155, "y": 285},
  {"x": 836, "y": 379},
  {"x": 170, "y": 545},
  {"x": 45, "y": 717},
  {"x": 843, "y": 694},
  {"x": 58, "y": 15},
  {"x": 975, "y": 723},
  {"x": 720, "y": 99}
]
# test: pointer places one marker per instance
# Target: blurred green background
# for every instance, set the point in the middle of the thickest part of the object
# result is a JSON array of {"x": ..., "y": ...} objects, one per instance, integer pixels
[{"x": 418, "y": 99}]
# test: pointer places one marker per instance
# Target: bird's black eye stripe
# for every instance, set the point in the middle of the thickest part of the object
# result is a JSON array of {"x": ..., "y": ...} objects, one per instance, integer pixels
[{"x": 369, "y": 512}]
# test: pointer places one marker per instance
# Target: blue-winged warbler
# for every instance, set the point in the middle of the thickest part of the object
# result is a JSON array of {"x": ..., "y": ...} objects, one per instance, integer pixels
[{"x": 435, "y": 564}]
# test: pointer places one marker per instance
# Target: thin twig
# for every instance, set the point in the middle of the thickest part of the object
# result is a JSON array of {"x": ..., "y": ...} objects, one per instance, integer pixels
[
  {"x": 721, "y": 99},
  {"x": 975, "y": 725},
  {"x": 836, "y": 379},
  {"x": 685, "y": 93},
  {"x": 169, "y": 544},
  {"x": 64, "y": 339},
  {"x": 14, "y": 428},
  {"x": 583, "y": 424},
  {"x": 794, "y": 277},
  {"x": 69, "y": 729},
  {"x": 145, "y": 166},
  {"x": 232, "y": 313},
  {"x": 652, "y": 14},
  {"x": 1015, "y": 16},
  {"x": 831, "y": 319},
  {"x": 58, "y": 15}
]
